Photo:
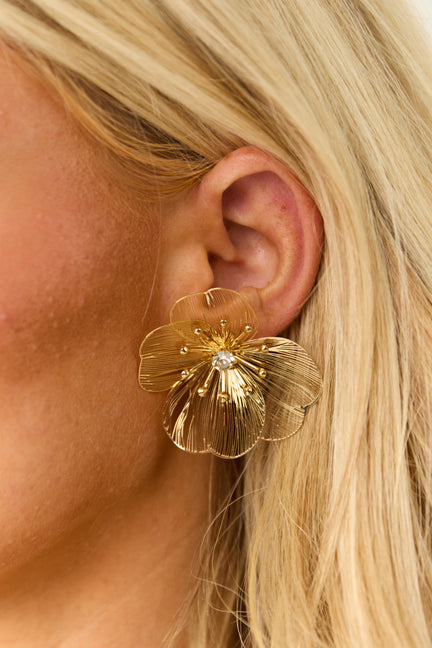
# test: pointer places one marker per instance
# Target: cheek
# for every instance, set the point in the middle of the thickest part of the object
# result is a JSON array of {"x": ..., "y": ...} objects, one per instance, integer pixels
[
  {"x": 65, "y": 262},
  {"x": 76, "y": 270},
  {"x": 40, "y": 246},
  {"x": 63, "y": 238},
  {"x": 75, "y": 428}
]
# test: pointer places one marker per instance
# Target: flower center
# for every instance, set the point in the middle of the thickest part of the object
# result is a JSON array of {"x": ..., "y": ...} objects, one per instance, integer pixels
[{"x": 223, "y": 359}]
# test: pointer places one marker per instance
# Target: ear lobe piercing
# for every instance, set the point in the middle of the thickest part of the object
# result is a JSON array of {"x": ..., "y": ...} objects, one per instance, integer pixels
[{"x": 227, "y": 390}]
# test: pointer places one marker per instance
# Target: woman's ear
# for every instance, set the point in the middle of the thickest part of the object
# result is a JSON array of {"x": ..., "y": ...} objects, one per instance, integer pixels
[{"x": 251, "y": 226}]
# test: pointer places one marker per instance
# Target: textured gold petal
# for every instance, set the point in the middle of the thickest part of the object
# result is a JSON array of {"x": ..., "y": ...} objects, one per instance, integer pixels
[
  {"x": 208, "y": 424},
  {"x": 292, "y": 383},
  {"x": 198, "y": 334},
  {"x": 164, "y": 355},
  {"x": 215, "y": 305}
]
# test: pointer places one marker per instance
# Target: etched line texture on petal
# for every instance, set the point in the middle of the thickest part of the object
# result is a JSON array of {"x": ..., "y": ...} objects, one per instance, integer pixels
[
  {"x": 207, "y": 424},
  {"x": 291, "y": 385},
  {"x": 162, "y": 361},
  {"x": 215, "y": 305}
]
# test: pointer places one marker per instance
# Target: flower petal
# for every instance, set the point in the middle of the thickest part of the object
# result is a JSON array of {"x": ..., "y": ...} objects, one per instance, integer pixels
[
  {"x": 292, "y": 383},
  {"x": 164, "y": 355},
  {"x": 208, "y": 424},
  {"x": 215, "y": 305}
]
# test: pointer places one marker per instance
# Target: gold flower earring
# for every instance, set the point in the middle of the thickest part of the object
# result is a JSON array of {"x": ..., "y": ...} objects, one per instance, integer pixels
[{"x": 227, "y": 389}]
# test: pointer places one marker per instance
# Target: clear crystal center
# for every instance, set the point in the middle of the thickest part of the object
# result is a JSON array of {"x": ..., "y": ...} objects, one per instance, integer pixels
[{"x": 223, "y": 360}]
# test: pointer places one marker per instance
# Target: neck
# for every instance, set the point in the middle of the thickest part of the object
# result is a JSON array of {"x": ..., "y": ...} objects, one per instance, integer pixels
[{"x": 120, "y": 579}]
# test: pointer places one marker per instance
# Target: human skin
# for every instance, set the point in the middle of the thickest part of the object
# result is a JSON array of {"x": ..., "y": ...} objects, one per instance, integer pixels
[
  {"x": 92, "y": 495},
  {"x": 101, "y": 515}
]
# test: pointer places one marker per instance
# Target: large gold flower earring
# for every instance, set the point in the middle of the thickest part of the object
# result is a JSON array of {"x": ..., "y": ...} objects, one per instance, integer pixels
[{"x": 227, "y": 390}]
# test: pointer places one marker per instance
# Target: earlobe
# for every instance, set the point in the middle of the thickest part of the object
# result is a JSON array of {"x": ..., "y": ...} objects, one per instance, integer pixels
[{"x": 275, "y": 229}]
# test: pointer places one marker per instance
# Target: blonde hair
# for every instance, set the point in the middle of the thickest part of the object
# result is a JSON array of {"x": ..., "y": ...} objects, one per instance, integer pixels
[{"x": 326, "y": 540}]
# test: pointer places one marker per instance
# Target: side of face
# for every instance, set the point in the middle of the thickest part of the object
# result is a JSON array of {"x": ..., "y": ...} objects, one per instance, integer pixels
[
  {"x": 86, "y": 271},
  {"x": 77, "y": 261}
]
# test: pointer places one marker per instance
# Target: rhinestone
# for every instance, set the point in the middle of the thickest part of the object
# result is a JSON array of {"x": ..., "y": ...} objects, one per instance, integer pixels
[
  {"x": 248, "y": 391},
  {"x": 184, "y": 350},
  {"x": 202, "y": 391},
  {"x": 262, "y": 373},
  {"x": 198, "y": 331},
  {"x": 185, "y": 373},
  {"x": 223, "y": 323},
  {"x": 264, "y": 348},
  {"x": 224, "y": 397},
  {"x": 248, "y": 328},
  {"x": 223, "y": 360}
]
